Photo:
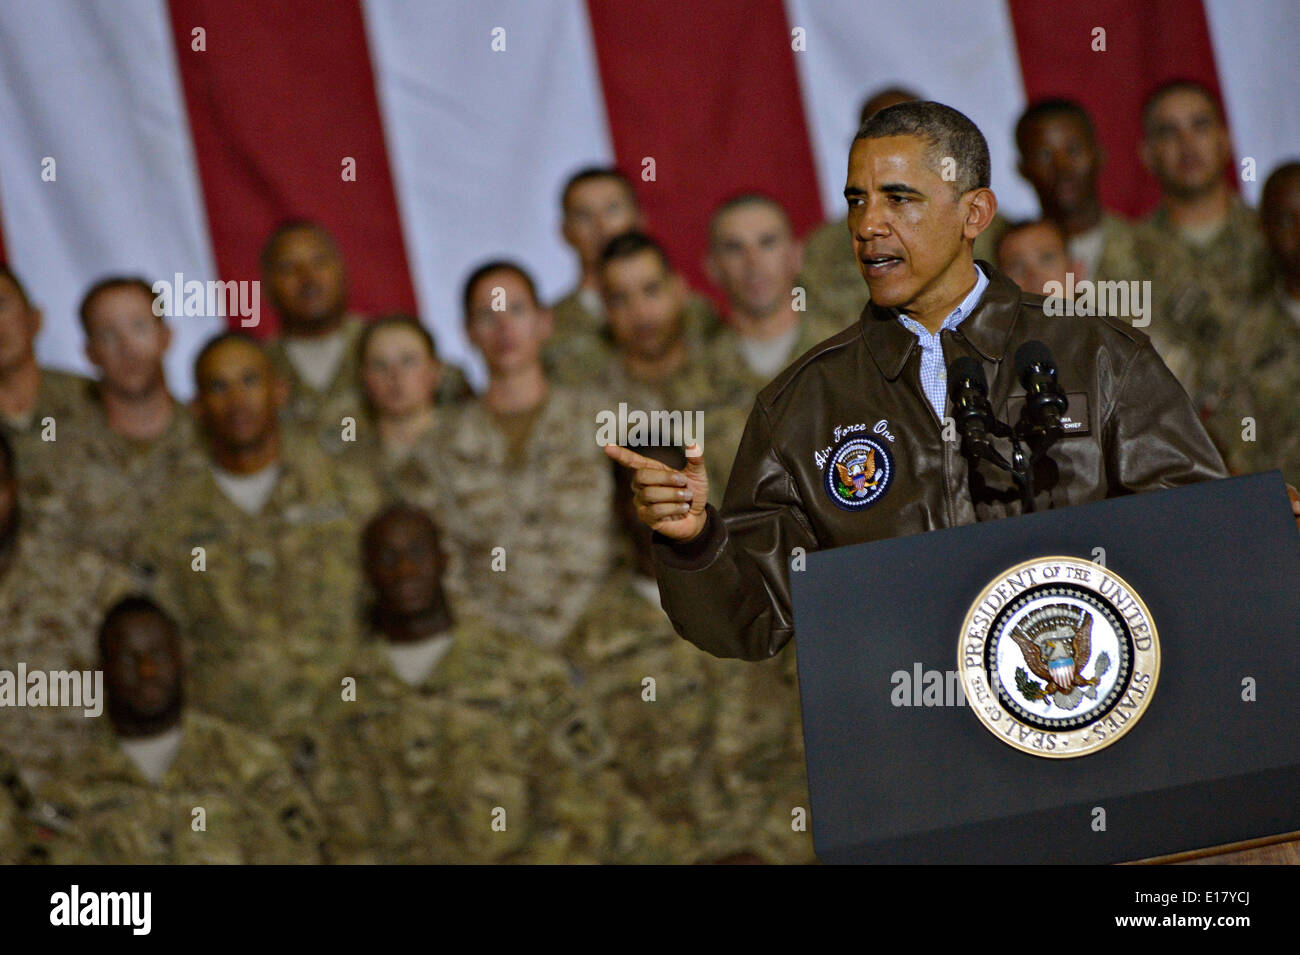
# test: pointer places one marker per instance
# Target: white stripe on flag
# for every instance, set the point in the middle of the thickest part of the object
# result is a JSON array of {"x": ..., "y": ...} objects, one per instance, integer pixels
[
  {"x": 1257, "y": 53},
  {"x": 961, "y": 54},
  {"x": 95, "y": 87},
  {"x": 480, "y": 141}
]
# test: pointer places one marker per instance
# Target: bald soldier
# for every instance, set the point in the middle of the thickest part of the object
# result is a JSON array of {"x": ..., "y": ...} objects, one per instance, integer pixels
[
  {"x": 443, "y": 740},
  {"x": 256, "y": 553},
  {"x": 37, "y": 405},
  {"x": 1258, "y": 422},
  {"x": 1061, "y": 158},
  {"x": 315, "y": 352},
  {"x": 164, "y": 785},
  {"x": 510, "y": 463},
  {"x": 830, "y": 272},
  {"x": 136, "y": 440},
  {"x": 598, "y": 203},
  {"x": 52, "y": 594}
]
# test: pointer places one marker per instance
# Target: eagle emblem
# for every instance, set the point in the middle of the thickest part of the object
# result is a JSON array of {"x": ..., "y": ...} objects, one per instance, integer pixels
[
  {"x": 858, "y": 474},
  {"x": 1056, "y": 642}
]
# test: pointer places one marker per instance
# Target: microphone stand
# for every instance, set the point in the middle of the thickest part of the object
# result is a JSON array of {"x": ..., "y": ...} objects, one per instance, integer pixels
[{"x": 1038, "y": 437}]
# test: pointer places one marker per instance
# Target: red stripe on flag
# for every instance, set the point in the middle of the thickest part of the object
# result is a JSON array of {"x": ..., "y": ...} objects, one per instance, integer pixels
[
  {"x": 709, "y": 92},
  {"x": 1146, "y": 45},
  {"x": 281, "y": 96}
]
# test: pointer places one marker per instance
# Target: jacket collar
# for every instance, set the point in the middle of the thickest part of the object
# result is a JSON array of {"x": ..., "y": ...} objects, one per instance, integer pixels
[{"x": 987, "y": 330}]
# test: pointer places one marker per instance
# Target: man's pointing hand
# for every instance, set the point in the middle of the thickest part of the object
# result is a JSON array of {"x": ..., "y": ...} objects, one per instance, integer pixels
[{"x": 667, "y": 500}]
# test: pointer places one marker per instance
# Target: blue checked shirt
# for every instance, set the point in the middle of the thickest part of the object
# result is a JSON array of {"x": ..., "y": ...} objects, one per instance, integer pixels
[{"x": 934, "y": 374}]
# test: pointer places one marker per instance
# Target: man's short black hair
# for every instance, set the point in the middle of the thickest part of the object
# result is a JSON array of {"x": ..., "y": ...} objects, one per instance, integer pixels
[
  {"x": 1048, "y": 108},
  {"x": 7, "y": 273},
  {"x": 293, "y": 225},
  {"x": 632, "y": 243},
  {"x": 137, "y": 604},
  {"x": 497, "y": 265},
  {"x": 748, "y": 199},
  {"x": 591, "y": 174},
  {"x": 1181, "y": 85},
  {"x": 1019, "y": 225},
  {"x": 219, "y": 339},
  {"x": 948, "y": 132},
  {"x": 112, "y": 283},
  {"x": 403, "y": 510}
]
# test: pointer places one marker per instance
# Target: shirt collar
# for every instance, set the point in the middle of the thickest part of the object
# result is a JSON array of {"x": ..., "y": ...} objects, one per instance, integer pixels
[
  {"x": 991, "y": 307},
  {"x": 958, "y": 314}
]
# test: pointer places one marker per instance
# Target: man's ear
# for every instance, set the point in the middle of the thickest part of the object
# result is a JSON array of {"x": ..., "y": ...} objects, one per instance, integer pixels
[
  {"x": 980, "y": 213},
  {"x": 796, "y": 253},
  {"x": 546, "y": 322},
  {"x": 35, "y": 319},
  {"x": 166, "y": 334}
]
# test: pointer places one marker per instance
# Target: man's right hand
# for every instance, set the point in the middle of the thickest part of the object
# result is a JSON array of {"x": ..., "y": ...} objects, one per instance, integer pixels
[{"x": 667, "y": 500}]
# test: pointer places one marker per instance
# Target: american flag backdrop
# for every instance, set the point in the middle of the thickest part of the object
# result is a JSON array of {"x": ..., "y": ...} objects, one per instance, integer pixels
[{"x": 181, "y": 132}]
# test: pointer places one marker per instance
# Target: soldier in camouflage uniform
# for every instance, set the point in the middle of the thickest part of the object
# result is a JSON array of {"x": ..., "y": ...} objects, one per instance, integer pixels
[
  {"x": 755, "y": 260},
  {"x": 38, "y": 406},
  {"x": 1201, "y": 249},
  {"x": 52, "y": 595},
  {"x": 134, "y": 441},
  {"x": 163, "y": 784},
  {"x": 598, "y": 204},
  {"x": 441, "y": 740},
  {"x": 256, "y": 554},
  {"x": 513, "y": 465},
  {"x": 316, "y": 350},
  {"x": 1262, "y": 375},
  {"x": 405, "y": 388},
  {"x": 658, "y": 364}
]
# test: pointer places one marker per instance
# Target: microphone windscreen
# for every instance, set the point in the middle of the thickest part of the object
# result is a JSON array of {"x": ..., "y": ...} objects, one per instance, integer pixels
[
  {"x": 1033, "y": 353},
  {"x": 966, "y": 368}
]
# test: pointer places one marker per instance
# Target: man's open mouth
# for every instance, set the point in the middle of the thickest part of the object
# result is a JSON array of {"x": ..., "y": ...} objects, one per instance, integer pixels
[{"x": 880, "y": 264}]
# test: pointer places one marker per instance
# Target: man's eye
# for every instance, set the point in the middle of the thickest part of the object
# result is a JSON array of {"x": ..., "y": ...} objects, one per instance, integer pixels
[
  {"x": 854, "y": 202},
  {"x": 897, "y": 200}
]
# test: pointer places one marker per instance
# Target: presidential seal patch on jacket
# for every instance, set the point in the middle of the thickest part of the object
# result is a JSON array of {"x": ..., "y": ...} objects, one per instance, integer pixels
[
  {"x": 1059, "y": 657},
  {"x": 859, "y": 473}
]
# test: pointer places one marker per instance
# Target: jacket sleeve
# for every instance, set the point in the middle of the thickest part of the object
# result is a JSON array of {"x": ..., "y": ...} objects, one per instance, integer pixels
[
  {"x": 1154, "y": 437},
  {"x": 728, "y": 591}
]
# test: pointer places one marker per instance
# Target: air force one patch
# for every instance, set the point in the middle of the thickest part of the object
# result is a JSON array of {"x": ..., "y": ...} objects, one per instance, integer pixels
[
  {"x": 860, "y": 472},
  {"x": 1059, "y": 657}
]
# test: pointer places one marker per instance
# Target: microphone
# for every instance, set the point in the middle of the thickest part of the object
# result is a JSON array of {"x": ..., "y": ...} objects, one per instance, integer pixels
[
  {"x": 969, "y": 390},
  {"x": 1045, "y": 401}
]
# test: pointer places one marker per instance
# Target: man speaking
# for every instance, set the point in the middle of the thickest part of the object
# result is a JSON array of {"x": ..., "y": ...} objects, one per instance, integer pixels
[{"x": 856, "y": 440}]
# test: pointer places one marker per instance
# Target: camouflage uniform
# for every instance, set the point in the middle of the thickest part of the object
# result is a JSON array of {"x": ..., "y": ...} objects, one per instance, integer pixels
[
  {"x": 415, "y": 774},
  {"x": 759, "y": 764},
  {"x": 15, "y": 832},
  {"x": 306, "y": 407},
  {"x": 275, "y": 610},
  {"x": 1119, "y": 258},
  {"x": 103, "y": 811},
  {"x": 488, "y": 501},
  {"x": 581, "y": 344},
  {"x": 52, "y": 598},
  {"x": 108, "y": 485},
  {"x": 1261, "y": 381},
  {"x": 1196, "y": 293},
  {"x": 831, "y": 277},
  {"x": 68, "y": 401},
  {"x": 402, "y": 475}
]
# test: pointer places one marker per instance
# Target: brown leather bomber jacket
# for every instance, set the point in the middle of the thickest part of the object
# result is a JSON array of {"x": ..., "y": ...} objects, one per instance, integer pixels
[{"x": 843, "y": 447}]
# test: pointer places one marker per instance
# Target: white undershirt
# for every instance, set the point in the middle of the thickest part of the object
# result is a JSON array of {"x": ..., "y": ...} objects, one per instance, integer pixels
[
  {"x": 316, "y": 359},
  {"x": 248, "y": 492},
  {"x": 413, "y": 662},
  {"x": 1201, "y": 235},
  {"x": 648, "y": 588},
  {"x": 767, "y": 356},
  {"x": 154, "y": 755},
  {"x": 591, "y": 301},
  {"x": 1085, "y": 248}
]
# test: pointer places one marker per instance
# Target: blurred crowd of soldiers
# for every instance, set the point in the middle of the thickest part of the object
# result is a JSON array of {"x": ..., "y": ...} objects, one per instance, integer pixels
[{"x": 347, "y": 610}]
